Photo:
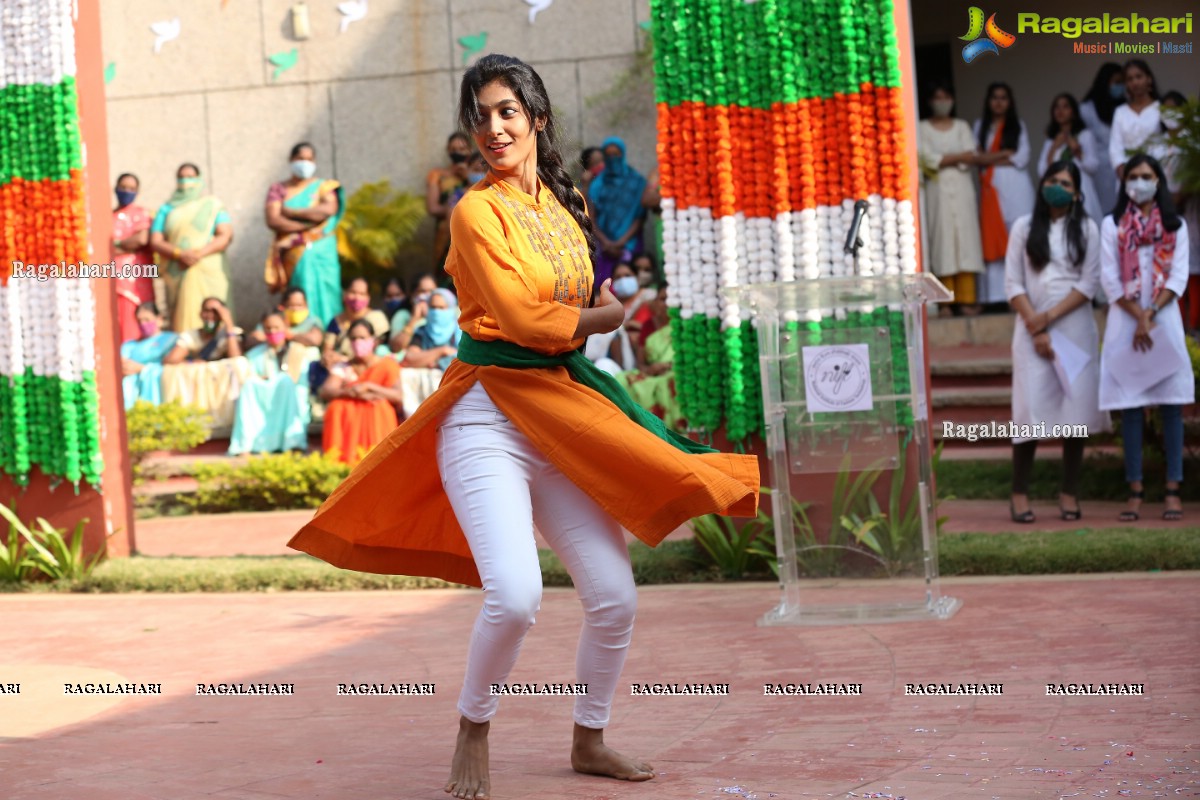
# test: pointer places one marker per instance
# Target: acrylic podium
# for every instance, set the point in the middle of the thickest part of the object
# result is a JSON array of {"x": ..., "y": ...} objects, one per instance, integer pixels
[{"x": 844, "y": 398}]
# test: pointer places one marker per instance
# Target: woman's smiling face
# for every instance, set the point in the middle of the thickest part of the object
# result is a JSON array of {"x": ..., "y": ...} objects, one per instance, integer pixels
[{"x": 505, "y": 135}]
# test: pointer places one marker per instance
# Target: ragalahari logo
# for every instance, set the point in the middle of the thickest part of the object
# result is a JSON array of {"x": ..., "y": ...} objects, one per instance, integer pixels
[{"x": 995, "y": 41}]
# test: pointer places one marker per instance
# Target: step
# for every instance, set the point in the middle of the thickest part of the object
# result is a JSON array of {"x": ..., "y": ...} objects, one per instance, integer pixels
[
  {"x": 973, "y": 397},
  {"x": 983, "y": 330}
]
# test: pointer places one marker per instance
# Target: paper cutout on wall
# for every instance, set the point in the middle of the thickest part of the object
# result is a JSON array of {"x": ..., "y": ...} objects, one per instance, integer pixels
[
  {"x": 352, "y": 11},
  {"x": 284, "y": 61},
  {"x": 645, "y": 25},
  {"x": 537, "y": 5},
  {"x": 165, "y": 31},
  {"x": 110, "y": 72},
  {"x": 472, "y": 45}
]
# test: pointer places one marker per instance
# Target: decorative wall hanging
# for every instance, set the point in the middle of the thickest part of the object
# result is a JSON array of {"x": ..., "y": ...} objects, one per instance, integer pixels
[
  {"x": 165, "y": 31},
  {"x": 283, "y": 61},
  {"x": 49, "y": 408},
  {"x": 301, "y": 29},
  {"x": 773, "y": 118},
  {"x": 352, "y": 11},
  {"x": 473, "y": 45},
  {"x": 536, "y": 6},
  {"x": 110, "y": 72}
]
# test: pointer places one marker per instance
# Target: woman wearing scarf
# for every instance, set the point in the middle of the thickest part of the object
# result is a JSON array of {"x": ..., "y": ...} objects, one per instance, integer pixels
[
  {"x": 304, "y": 212},
  {"x": 131, "y": 246},
  {"x": 523, "y": 427},
  {"x": 1006, "y": 192},
  {"x": 616, "y": 195},
  {"x": 191, "y": 231},
  {"x": 362, "y": 395},
  {"x": 435, "y": 343},
  {"x": 1144, "y": 267},
  {"x": 142, "y": 358},
  {"x": 273, "y": 411}
]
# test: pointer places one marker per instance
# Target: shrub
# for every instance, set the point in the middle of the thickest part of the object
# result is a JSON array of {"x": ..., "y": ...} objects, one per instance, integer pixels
[
  {"x": 169, "y": 426},
  {"x": 43, "y": 551},
  {"x": 267, "y": 483}
]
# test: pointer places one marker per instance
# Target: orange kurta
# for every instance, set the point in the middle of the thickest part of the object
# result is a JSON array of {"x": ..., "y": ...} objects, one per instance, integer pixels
[
  {"x": 522, "y": 272},
  {"x": 353, "y": 426}
]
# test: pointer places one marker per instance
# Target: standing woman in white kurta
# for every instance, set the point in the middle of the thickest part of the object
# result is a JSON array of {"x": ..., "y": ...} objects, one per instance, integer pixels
[
  {"x": 1068, "y": 140},
  {"x": 1137, "y": 120},
  {"x": 947, "y": 153},
  {"x": 1144, "y": 267},
  {"x": 1006, "y": 192},
  {"x": 1051, "y": 272},
  {"x": 1096, "y": 110}
]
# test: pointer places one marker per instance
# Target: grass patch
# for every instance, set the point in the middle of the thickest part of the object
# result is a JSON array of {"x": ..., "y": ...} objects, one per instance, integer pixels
[
  {"x": 1114, "y": 550},
  {"x": 1103, "y": 478}
]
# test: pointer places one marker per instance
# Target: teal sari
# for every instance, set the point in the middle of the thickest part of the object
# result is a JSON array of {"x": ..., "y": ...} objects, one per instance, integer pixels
[
  {"x": 147, "y": 384},
  {"x": 273, "y": 411},
  {"x": 309, "y": 260}
]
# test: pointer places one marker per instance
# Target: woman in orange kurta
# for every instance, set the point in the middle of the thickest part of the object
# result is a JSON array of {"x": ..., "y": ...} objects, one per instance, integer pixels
[
  {"x": 362, "y": 394},
  {"x": 519, "y": 443}
]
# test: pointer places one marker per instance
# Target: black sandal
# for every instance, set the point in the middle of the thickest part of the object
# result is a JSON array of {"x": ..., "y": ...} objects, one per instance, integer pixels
[
  {"x": 1070, "y": 515},
  {"x": 1025, "y": 517},
  {"x": 1128, "y": 515},
  {"x": 1172, "y": 514}
]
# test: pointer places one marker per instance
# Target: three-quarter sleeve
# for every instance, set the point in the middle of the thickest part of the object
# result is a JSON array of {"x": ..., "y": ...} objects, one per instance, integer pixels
[
  {"x": 489, "y": 272},
  {"x": 160, "y": 219},
  {"x": 1110, "y": 270},
  {"x": 1089, "y": 270},
  {"x": 1014, "y": 259},
  {"x": 1020, "y": 157}
]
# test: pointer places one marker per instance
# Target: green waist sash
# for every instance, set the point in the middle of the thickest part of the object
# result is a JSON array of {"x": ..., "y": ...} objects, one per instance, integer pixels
[{"x": 514, "y": 356}]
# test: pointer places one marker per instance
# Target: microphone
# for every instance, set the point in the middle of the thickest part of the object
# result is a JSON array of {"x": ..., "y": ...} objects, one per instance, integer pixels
[{"x": 852, "y": 240}]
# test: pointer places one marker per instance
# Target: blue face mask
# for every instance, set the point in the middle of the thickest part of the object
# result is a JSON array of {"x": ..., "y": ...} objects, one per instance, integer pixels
[
  {"x": 1117, "y": 90},
  {"x": 625, "y": 288},
  {"x": 124, "y": 198},
  {"x": 441, "y": 324}
]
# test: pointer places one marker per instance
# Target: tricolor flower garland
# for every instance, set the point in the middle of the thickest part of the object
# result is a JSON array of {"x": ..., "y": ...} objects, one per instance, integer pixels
[
  {"x": 773, "y": 118},
  {"x": 49, "y": 407}
]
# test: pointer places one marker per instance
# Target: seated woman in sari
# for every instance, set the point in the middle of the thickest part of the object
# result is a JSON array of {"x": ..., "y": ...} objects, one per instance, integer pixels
[
  {"x": 273, "y": 411},
  {"x": 191, "y": 232},
  {"x": 205, "y": 368},
  {"x": 357, "y": 301},
  {"x": 362, "y": 395},
  {"x": 616, "y": 201},
  {"x": 302, "y": 327},
  {"x": 142, "y": 358},
  {"x": 304, "y": 212},
  {"x": 652, "y": 385},
  {"x": 435, "y": 343},
  {"x": 216, "y": 338}
]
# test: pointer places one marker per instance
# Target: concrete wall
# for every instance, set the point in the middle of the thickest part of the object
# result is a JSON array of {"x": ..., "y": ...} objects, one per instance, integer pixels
[
  {"x": 377, "y": 101},
  {"x": 1039, "y": 66}
]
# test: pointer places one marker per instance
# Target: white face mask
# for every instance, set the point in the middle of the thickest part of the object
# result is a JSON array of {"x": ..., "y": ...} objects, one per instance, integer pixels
[
  {"x": 941, "y": 108},
  {"x": 1141, "y": 190},
  {"x": 1171, "y": 120},
  {"x": 304, "y": 169}
]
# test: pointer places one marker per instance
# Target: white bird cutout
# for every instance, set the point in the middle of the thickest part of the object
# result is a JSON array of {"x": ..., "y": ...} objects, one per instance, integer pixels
[
  {"x": 537, "y": 5},
  {"x": 352, "y": 11},
  {"x": 164, "y": 32}
]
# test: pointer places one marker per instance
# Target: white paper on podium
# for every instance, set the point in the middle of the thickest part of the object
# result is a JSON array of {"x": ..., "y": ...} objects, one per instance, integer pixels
[
  {"x": 1069, "y": 359},
  {"x": 1136, "y": 371}
]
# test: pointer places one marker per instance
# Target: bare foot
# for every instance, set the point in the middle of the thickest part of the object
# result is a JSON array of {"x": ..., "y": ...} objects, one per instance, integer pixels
[
  {"x": 469, "y": 770},
  {"x": 591, "y": 756}
]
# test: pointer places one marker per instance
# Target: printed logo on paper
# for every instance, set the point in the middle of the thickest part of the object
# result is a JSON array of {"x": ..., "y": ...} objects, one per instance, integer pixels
[{"x": 837, "y": 377}]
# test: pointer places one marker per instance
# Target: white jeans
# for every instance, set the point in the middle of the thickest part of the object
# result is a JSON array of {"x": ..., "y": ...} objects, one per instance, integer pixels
[{"x": 499, "y": 485}]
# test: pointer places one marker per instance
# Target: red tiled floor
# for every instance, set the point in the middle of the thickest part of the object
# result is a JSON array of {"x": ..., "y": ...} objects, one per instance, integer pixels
[{"x": 1022, "y": 745}]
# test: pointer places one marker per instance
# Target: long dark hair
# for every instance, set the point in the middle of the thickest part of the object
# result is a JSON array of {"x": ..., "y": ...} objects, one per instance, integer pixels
[
  {"x": 1166, "y": 208},
  {"x": 1104, "y": 103},
  {"x": 531, "y": 93},
  {"x": 1144, "y": 67},
  {"x": 1012, "y": 125},
  {"x": 1037, "y": 246},
  {"x": 1076, "y": 122}
]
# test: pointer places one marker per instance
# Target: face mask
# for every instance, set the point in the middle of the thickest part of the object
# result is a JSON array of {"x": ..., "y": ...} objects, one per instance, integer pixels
[
  {"x": 1117, "y": 91},
  {"x": 362, "y": 347},
  {"x": 392, "y": 306},
  {"x": 441, "y": 324},
  {"x": 1056, "y": 196},
  {"x": 625, "y": 288},
  {"x": 356, "y": 304},
  {"x": 1171, "y": 121},
  {"x": 187, "y": 183},
  {"x": 124, "y": 198},
  {"x": 645, "y": 279},
  {"x": 596, "y": 170},
  {"x": 1141, "y": 190},
  {"x": 208, "y": 326},
  {"x": 941, "y": 108},
  {"x": 459, "y": 158},
  {"x": 276, "y": 338},
  {"x": 149, "y": 328},
  {"x": 423, "y": 297},
  {"x": 611, "y": 161},
  {"x": 296, "y": 315},
  {"x": 304, "y": 169}
]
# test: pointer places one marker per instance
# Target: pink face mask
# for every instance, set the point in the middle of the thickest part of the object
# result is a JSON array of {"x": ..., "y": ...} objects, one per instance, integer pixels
[
  {"x": 276, "y": 338},
  {"x": 148, "y": 328},
  {"x": 363, "y": 347},
  {"x": 356, "y": 304}
]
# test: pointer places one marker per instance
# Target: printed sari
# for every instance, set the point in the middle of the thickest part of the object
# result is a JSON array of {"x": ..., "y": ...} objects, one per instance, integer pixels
[{"x": 308, "y": 260}]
